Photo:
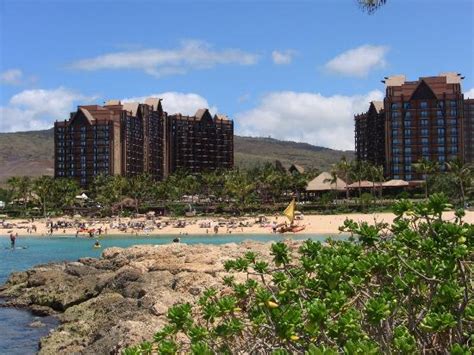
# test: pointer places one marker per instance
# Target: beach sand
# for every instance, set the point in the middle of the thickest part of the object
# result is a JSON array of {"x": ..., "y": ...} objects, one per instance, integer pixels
[{"x": 315, "y": 224}]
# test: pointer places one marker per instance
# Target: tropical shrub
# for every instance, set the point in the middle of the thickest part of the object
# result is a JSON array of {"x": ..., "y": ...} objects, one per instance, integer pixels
[{"x": 404, "y": 288}]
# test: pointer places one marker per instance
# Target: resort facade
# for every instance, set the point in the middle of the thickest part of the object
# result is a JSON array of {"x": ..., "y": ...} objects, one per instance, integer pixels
[
  {"x": 423, "y": 119},
  {"x": 132, "y": 138}
]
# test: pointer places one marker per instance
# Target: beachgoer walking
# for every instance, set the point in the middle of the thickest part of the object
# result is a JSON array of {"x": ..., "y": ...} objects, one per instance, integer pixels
[{"x": 216, "y": 229}]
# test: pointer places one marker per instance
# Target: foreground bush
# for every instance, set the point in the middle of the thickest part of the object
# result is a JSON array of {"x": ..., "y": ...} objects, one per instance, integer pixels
[{"x": 405, "y": 288}]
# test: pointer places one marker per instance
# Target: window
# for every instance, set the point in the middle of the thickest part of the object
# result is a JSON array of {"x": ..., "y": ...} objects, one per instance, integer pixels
[
  {"x": 453, "y": 149},
  {"x": 424, "y": 141},
  {"x": 407, "y": 141},
  {"x": 452, "y": 103},
  {"x": 406, "y": 105},
  {"x": 424, "y": 113},
  {"x": 407, "y": 123},
  {"x": 395, "y": 106},
  {"x": 441, "y": 104},
  {"x": 441, "y": 159},
  {"x": 441, "y": 131},
  {"x": 395, "y": 133},
  {"x": 408, "y": 114},
  {"x": 441, "y": 140},
  {"x": 423, "y": 104},
  {"x": 452, "y": 121},
  {"x": 424, "y": 122},
  {"x": 395, "y": 150},
  {"x": 408, "y": 177},
  {"x": 407, "y": 150},
  {"x": 395, "y": 114},
  {"x": 439, "y": 113},
  {"x": 441, "y": 150},
  {"x": 453, "y": 140},
  {"x": 425, "y": 132},
  {"x": 407, "y": 132},
  {"x": 440, "y": 122},
  {"x": 425, "y": 150},
  {"x": 408, "y": 160},
  {"x": 453, "y": 112},
  {"x": 396, "y": 141},
  {"x": 395, "y": 124},
  {"x": 408, "y": 168},
  {"x": 454, "y": 131}
]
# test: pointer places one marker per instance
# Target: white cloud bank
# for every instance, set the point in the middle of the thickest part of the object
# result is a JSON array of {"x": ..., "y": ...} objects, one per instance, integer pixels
[
  {"x": 38, "y": 109},
  {"x": 283, "y": 57},
  {"x": 358, "y": 62},
  {"x": 11, "y": 77},
  {"x": 177, "y": 102},
  {"x": 469, "y": 94},
  {"x": 162, "y": 62},
  {"x": 326, "y": 121}
]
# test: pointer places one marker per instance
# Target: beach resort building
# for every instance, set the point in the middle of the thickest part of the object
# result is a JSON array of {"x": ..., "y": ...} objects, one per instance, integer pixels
[
  {"x": 133, "y": 138},
  {"x": 423, "y": 119},
  {"x": 370, "y": 134},
  {"x": 469, "y": 130},
  {"x": 200, "y": 142}
]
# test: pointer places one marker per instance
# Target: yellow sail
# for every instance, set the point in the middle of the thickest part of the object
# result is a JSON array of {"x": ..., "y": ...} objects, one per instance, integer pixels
[{"x": 290, "y": 211}]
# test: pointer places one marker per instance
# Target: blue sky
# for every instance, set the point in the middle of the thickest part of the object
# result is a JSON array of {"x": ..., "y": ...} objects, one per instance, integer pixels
[{"x": 288, "y": 69}]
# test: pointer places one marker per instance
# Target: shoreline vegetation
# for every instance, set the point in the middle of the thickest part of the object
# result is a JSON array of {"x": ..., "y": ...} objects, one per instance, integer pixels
[{"x": 156, "y": 226}]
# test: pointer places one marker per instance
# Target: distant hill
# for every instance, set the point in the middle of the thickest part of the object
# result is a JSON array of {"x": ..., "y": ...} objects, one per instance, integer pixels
[
  {"x": 31, "y": 153},
  {"x": 249, "y": 151}
]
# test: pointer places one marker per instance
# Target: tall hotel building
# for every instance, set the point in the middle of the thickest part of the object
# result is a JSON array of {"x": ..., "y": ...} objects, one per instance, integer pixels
[
  {"x": 423, "y": 119},
  {"x": 133, "y": 138}
]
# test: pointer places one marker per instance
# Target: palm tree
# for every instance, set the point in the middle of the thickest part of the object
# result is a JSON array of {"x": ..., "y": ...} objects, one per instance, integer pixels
[
  {"x": 64, "y": 192},
  {"x": 344, "y": 167},
  {"x": 21, "y": 189},
  {"x": 138, "y": 188},
  {"x": 239, "y": 186},
  {"x": 333, "y": 179},
  {"x": 358, "y": 172},
  {"x": 462, "y": 173},
  {"x": 43, "y": 187},
  {"x": 426, "y": 168},
  {"x": 376, "y": 175}
]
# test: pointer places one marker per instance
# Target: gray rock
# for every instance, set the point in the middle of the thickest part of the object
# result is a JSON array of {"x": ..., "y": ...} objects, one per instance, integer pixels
[{"x": 107, "y": 304}]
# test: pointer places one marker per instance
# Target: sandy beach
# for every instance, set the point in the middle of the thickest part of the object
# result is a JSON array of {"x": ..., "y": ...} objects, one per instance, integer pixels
[{"x": 67, "y": 226}]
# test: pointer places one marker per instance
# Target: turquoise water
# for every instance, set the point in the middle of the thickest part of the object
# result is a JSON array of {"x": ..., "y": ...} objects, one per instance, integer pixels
[{"x": 16, "y": 336}]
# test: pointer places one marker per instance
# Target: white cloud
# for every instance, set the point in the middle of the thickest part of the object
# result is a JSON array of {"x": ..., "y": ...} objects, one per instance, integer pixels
[
  {"x": 283, "y": 57},
  {"x": 326, "y": 121},
  {"x": 177, "y": 102},
  {"x": 11, "y": 77},
  {"x": 469, "y": 94},
  {"x": 161, "y": 62},
  {"x": 358, "y": 61},
  {"x": 38, "y": 109}
]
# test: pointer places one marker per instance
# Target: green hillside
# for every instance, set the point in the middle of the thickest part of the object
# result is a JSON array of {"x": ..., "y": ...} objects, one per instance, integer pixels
[{"x": 31, "y": 153}]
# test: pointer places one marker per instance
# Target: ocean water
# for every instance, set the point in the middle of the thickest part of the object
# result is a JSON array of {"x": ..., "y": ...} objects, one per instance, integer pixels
[{"x": 16, "y": 334}]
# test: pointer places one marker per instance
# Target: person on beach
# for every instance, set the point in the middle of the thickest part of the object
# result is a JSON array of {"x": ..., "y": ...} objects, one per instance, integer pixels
[{"x": 13, "y": 240}]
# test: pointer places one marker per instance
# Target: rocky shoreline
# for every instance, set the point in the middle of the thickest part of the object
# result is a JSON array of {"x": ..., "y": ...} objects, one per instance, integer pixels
[{"x": 121, "y": 299}]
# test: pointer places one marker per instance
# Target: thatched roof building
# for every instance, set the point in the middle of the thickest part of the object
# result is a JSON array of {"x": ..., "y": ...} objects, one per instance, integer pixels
[
  {"x": 322, "y": 182},
  {"x": 395, "y": 183}
]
